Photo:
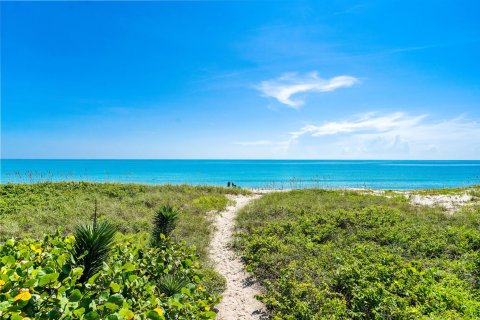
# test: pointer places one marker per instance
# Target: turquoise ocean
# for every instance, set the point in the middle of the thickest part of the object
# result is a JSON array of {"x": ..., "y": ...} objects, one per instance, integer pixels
[{"x": 278, "y": 174}]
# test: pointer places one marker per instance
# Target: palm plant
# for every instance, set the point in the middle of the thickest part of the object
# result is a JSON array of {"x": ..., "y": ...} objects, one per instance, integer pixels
[
  {"x": 164, "y": 222},
  {"x": 92, "y": 246},
  {"x": 170, "y": 284}
]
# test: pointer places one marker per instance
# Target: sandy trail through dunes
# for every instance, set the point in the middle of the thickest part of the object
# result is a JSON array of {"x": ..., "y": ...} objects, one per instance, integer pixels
[{"x": 239, "y": 298}]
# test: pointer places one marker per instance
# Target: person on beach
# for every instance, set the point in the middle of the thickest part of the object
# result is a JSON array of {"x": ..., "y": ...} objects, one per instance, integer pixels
[{"x": 228, "y": 184}]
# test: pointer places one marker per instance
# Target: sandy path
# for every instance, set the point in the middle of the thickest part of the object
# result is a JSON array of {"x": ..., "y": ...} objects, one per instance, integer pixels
[{"x": 239, "y": 298}]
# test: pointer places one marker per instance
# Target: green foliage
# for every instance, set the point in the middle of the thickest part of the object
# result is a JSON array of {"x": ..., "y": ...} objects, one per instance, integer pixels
[
  {"x": 30, "y": 210},
  {"x": 92, "y": 245},
  {"x": 333, "y": 255},
  {"x": 125, "y": 286},
  {"x": 164, "y": 222},
  {"x": 171, "y": 284},
  {"x": 214, "y": 282},
  {"x": 211, "y": 202},
  {"x": 38, "y": 281},
  {"x": 473, "y": 190}
]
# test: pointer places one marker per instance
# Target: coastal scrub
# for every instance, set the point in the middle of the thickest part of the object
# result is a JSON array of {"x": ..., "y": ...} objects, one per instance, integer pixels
[{"x": 341, "y": 254}]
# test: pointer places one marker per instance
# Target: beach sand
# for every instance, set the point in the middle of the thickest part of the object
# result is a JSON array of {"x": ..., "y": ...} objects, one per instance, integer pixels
[{"x": 239, "y": 300}]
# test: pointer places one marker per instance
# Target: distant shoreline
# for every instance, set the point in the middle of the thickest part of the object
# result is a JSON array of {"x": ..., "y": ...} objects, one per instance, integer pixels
[
  {"x": 265, "y": 190},
  {"x": 254, "y": 174}
]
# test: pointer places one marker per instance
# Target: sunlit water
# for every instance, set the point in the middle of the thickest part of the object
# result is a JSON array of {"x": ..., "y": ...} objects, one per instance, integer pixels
[{"x": 279, "y": 174}]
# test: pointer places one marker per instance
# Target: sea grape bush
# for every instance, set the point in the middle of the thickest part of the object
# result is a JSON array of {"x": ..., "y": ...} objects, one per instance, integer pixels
[
  {"x": 337, "y": 255},
  {"x": 38, "y": 280}
]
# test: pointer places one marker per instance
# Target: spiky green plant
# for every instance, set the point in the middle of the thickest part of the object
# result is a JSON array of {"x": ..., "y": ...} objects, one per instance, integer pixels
[
  {"x": 164, "y": 222},
  {"x": 171, "y": 284},
  {"x": 92, "y": 246}
]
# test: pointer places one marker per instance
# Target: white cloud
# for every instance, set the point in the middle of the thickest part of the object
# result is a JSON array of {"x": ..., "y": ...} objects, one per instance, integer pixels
[
  {"x": 389, "y": 136},
  {"x": 290, "y": 84},
  {"x": 365, "y": 123},
  {"x": 398, "y": 135}
]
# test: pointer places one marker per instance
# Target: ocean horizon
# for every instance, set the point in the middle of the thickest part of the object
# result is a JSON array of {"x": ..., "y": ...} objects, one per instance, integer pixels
[{"x": 267, "y": 174}]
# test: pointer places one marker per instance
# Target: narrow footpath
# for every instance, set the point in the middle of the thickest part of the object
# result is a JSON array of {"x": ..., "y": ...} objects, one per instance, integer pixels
[{"x": 239, "y": 298}]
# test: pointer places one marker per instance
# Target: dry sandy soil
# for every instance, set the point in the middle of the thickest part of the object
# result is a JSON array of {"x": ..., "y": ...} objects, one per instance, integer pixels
[{"x": 239, "y": 298}]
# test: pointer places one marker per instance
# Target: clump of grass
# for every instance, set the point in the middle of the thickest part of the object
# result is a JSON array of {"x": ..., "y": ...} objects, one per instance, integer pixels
[
  {"x": 473, "y": 189},
  {"x": 164, "y": 222},
  {"x": 171, "y": 284},
  {"x": 211, "y": 202},
  {"x": 214, "y": 282}
]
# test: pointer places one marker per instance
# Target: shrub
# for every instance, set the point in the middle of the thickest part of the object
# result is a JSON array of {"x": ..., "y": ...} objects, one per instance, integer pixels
[
  {"x": 335, "y": 255},
  {"x": 38, "y": 281}
]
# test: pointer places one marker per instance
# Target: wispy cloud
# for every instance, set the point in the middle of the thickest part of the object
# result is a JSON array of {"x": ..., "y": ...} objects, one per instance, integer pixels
[
  {"x": 362, "y": 124},
  {"x": 396, "y": 135},
  {"x": 391, "y": 136},
  {"x": 289, "y": 84}
]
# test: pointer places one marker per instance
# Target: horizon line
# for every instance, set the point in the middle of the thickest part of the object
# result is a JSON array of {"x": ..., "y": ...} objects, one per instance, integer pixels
[{"x": 236, "y": 159}]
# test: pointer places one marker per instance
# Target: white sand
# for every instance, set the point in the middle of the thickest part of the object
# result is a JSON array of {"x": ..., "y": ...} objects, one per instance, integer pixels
[
  {"x": 450, "y": 202},
  {"x": 239, "y": 298}
]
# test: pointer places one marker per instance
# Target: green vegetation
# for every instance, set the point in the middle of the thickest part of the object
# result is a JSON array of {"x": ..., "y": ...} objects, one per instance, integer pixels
[
  {"x": 338, "y": 254},
  {"x": 99, "y": 273},
  {"x": 164, "y": 223},
  {"x": 92, "y": 247},
  {"x": 471, "y": 190},
  {"x": 30, "y": 210},
  {"x": 38, "y": 280},
  {"x": 171, "y": 284}
]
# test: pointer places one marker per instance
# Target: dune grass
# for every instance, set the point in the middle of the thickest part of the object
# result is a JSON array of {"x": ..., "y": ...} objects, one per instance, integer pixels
[
  {"x": 471, "y": 190},
  {"x": 30, "y": 210},
  {"x": 343, "y": 254}
]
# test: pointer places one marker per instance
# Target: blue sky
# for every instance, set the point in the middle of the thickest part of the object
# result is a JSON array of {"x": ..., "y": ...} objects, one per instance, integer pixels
[{"x": 232, "y": 79}]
